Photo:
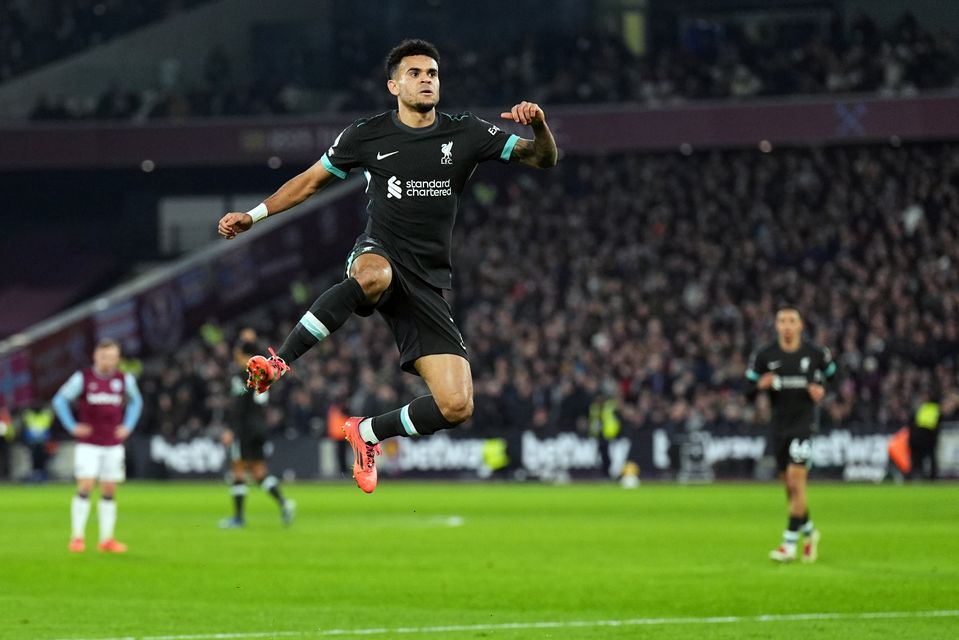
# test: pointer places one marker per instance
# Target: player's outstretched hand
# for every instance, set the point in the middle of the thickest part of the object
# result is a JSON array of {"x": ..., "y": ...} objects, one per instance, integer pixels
[
  {"x": 234, "y": 223},
  {"x": 525, "y": 113}
]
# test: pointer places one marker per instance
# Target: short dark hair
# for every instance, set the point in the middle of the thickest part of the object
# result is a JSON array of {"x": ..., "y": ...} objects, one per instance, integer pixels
[
  {"x": 409, "y": 47},
  {"x": 788, "y": 307},
  {"x": 107, "y": 343}
]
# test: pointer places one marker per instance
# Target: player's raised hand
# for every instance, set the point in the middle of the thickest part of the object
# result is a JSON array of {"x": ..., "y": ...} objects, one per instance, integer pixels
[
  {"x": 525, "y": 113},
  {"x": 233, "y": 223}
]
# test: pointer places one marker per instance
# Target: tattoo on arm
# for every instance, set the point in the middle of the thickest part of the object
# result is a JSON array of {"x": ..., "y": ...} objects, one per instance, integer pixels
[{"x": 539, "y": 152}]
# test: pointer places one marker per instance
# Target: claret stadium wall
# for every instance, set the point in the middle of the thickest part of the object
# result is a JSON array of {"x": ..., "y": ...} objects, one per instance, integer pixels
[
  {"x": 585, "y": 130},
  {"x": 154, "y": 315}
]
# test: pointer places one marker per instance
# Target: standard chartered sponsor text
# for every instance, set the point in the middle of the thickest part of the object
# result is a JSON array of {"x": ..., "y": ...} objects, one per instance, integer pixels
[{"x": 428, "y": 188}]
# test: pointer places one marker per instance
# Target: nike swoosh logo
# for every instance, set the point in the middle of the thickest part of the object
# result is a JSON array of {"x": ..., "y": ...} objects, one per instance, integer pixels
[{"x": 380, "y": 156}]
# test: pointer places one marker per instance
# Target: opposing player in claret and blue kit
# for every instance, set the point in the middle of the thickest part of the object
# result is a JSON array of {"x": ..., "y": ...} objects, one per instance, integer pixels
[
  {"x": 417, "y": 162},
  {"x": 108, "y": 408}
]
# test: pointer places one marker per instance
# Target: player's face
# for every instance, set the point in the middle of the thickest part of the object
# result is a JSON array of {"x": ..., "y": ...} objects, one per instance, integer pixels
[
  {"x": 788, "y": 325},
  {"x": 416, "y": 83},
  {"x": 106, "y": 359}
]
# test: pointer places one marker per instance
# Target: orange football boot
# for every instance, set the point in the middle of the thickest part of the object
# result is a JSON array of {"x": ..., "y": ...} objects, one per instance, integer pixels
[
  {"x": 364, "y": 463},
  {"x": 262, "y": 371}
]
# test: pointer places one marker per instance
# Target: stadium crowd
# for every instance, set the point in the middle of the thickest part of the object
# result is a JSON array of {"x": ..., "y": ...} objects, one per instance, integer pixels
[
  {"x": 35, "y": 33},
  {"x": 590, "y": 67},
  {"x": 668, "y": 273}
]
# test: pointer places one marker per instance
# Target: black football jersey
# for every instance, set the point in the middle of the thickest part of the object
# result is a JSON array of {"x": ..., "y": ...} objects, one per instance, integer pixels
[
  {"x": 414, "y": 180},
  {"x": 793, "y": 411},
  {"x": 246, "y": 416}
]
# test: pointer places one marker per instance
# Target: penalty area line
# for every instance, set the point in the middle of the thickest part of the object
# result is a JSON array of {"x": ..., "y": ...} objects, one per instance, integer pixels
[{"x": 549, "y": 624}]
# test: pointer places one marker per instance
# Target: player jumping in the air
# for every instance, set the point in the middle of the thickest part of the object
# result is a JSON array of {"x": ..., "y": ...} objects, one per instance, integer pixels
[
  {"x": 416, "y": 161},
  {"x": 794, "y": 373}
]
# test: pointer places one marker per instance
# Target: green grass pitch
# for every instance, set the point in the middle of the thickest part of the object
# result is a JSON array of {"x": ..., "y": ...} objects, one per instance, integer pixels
[{"x": 493, "y": 561}]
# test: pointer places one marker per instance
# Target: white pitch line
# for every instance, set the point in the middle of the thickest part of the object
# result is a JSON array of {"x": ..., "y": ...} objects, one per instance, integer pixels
[{"x": 555, "y": 624}]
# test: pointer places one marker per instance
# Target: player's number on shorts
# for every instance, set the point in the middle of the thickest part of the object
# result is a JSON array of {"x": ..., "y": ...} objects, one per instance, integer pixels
[{"x": 800, "y": 450}]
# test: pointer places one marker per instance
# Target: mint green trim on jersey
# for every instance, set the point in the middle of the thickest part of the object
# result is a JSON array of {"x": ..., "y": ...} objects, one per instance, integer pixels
[
  {"x": 752, "y": 375},
  {"x": 339, "y": 173},
  {"x": 508, "y": 148},
  {"x": 831, "y": 369},
  {"x": 349, "y": 263}
]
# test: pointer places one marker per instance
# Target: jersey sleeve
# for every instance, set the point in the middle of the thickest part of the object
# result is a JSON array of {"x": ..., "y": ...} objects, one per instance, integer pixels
[
  {"x": 758, "y": 365},
  {"x": 67, "y": 393},
  {"x": 827, "y": 368},
  {"x": 492, "y": 143},
  {"x": 134, "y": 402},
  {"x": 827, "y": 365},
  {"x": 344, "y": 154}
]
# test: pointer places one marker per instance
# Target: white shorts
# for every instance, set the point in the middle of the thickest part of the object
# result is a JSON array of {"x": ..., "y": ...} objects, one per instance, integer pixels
[{"x": 107, "y": 464}]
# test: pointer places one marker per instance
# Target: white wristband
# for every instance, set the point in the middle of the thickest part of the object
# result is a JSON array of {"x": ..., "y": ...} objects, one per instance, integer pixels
[{"x": 258, "y": 212}]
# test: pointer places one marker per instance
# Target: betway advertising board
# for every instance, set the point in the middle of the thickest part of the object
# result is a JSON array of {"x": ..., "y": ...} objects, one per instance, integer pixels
[{"x": 837, "y": 454}]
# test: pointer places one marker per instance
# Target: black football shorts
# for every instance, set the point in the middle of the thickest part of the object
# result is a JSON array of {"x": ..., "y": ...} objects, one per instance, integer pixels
[
  {"x": 792, "y": 450},
  {"x": 252, "y": 448},
  {"x": 417, "y": 313}
]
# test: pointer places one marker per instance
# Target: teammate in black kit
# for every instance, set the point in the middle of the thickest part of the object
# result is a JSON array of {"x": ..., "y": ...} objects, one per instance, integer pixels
[
  {"x": 247, "y": 438},
  {"x": 416, "y": 161},
  {"x": 794, "y": 373}
]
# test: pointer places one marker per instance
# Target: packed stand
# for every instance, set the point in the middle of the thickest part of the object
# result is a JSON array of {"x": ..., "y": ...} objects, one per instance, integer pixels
[
  {"x": 591, "y": 67},
  {"x": 668, "y": 274},
  {"x": 35, "y": 33},
  {"x": 903, "y": 60},
  {"x": 218, "y": 94}
]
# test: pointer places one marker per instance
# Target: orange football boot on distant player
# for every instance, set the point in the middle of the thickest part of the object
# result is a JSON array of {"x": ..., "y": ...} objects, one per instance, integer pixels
[
  {"x": 112, "y": 546},
  {"x": 364, "y": 463},
  {"x": 262, "y": 371},
  {"x": 77, "y": 545}
]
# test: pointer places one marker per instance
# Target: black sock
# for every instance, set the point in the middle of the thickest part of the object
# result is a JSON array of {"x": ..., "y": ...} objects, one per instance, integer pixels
[
  {"x": 238, "y": 490},
  {"x": 420, "y": 417},
  {"x": 794, "y": 523},
  {"x": 328, "y": 313},
  {"x": 271, "y": 485}
]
